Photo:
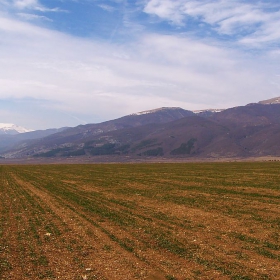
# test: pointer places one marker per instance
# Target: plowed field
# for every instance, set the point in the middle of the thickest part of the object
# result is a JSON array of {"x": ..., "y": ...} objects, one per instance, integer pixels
[{"x": 140, "y": 221}]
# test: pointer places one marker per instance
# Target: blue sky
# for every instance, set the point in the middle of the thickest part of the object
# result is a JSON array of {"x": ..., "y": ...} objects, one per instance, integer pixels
[{"x": 70, "y": 62}]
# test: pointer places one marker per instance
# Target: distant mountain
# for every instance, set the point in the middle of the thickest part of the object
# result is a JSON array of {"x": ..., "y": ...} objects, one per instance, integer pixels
[
  {"x": 244, "y": 131},
  {"x": 72, "y": 135},
  {"x": 7, "y": 141},
  {"x": 12, "y": 129}
]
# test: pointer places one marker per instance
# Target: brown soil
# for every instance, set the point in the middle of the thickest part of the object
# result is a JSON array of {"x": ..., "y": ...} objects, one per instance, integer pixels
[{"x": 47, "y": 233}]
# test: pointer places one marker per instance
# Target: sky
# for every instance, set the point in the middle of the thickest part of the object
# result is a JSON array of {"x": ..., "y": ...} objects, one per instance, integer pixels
[{"x": 71, "y": 62}]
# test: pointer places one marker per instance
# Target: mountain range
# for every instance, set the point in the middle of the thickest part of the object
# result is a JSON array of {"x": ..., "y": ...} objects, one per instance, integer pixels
[{"x": 245, "y": 131}]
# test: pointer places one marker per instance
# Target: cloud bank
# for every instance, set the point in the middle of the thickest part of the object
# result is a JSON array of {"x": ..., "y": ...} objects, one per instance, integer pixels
[{"x": 51, "y": 79}]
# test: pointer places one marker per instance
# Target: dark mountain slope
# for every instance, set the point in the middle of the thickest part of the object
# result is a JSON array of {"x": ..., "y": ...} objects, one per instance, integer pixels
[
  {"x": 254, "y": 127},
  {"x": 190, "y": 136},
  {"x": 249, "y": 115},
  {"x": 162, "y": 115},
  {"x": 246, "y": 131},
  {"x": 71, "y": 136}
]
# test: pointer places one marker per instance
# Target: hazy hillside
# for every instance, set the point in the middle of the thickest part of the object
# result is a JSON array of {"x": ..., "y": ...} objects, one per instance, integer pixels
[
  {"x": 245, "y": 131},
  {"x": 7, "y": 141},
  {"x": 70, "y": 136}
]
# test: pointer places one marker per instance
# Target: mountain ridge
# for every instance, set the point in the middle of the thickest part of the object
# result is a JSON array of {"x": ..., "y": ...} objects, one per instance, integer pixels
[{"x": 242, "y": 131}]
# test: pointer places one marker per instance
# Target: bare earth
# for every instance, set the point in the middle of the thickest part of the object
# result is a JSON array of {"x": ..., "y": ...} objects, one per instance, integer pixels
[{"x": 140, "y": 221}]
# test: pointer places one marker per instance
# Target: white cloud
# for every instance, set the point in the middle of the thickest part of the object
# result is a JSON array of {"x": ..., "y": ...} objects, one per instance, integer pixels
[
  {"x": 31, "y": 5},
  {"x": 107, "y": 8},
  {"x": 31, "y": 17},
  {"x": 86, "y": 78},
  {"x": 231, "y": 17},
  {"x": 268, "y": 32},
  {"x": 169, "y": 10},
  {"x": 26, "y": 4}
]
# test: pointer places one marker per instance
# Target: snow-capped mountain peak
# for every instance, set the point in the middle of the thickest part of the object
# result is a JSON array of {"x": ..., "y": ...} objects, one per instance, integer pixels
[
  {"x": 208, "y": 110},
  {"x": 10, "y": 128},
  {"x": 275, "y": 100},
  {"x": 155, "y": 110}
]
